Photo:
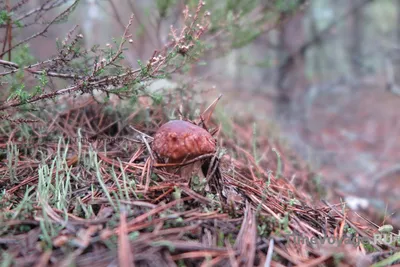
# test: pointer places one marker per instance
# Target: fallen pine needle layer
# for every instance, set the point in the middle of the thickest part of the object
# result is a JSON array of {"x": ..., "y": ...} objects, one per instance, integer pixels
[{"x": 79, "y": 188}]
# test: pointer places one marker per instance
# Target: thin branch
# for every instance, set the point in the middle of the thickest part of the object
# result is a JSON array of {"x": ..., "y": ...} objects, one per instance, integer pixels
[
  {"x": 67, "y": 90},
  {"x": 16, "y": 68},
  {"x": 7, "y": 35},
  {"x": 139, "y": 21},
  {"x": 42, "y": 9},
  {"x": 9, "y": 31},
  {"x": 9, "y": 64},
  {"x": 42, "y": 31}
]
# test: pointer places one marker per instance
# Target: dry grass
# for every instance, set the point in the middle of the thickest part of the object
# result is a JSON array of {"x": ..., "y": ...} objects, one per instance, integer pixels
[{"x": 101, "y": 200}]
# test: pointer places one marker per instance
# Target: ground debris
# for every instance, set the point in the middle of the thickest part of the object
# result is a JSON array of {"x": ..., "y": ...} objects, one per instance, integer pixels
[{"x": 81, "y": 191}]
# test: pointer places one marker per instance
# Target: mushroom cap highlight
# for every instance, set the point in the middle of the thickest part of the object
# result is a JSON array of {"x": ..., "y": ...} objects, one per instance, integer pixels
[{"x": 179, "y": 139}]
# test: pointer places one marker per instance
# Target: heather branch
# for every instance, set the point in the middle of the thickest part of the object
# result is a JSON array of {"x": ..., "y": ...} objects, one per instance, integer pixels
[
  {"x": 63, "y": 14},
  {"x": 38, "y": 12},
  {"x": 102, "y": 64},
  {"x": 8, "y": 64},
  {"x": 159, "y": 63},
  {"x": 59, "y": 60},
  {"x": 18, "y": 5},
  {"x": 108, "y": 81},
  {"x": 31, "y": 69},
  {"x": 7, "y": 117}
]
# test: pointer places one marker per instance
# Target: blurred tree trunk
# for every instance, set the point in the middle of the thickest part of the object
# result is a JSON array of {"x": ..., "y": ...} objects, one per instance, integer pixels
[
  {"x": 318, "y": 54},
  {"x": 392, "y": 61},
  {"x": 356, "y": 36},
  {"x": 291, "y": 82},
  {"x": 398, "y": 21}
]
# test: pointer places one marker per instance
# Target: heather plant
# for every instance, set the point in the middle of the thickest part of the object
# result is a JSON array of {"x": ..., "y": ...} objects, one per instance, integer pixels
[
  {"x": 103, "y": 68},
  {"x": 86, "y": 71}
]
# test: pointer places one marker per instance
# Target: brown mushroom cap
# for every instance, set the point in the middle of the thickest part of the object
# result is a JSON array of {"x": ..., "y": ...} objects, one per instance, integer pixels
[{"x": 178, "y": 139}]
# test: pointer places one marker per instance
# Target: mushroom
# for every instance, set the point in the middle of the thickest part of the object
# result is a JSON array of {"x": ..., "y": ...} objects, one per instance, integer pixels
[{"x": 180, "y": 141}]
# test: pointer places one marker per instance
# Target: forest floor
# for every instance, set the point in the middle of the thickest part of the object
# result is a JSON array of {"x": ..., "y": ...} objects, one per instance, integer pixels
[{"x": 80, "y": 187}]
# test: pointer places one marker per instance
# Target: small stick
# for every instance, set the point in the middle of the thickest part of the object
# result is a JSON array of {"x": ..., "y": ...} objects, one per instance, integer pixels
[
  {"x": 269, "y": 254},
  {"x": 206, "y": 115},
  {"x": 141, "y": 133},
  {"x": 148, "y": 147}
]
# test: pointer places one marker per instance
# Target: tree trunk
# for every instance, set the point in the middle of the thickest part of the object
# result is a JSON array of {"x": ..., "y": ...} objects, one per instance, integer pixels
[
  {"x": 318, "y": 54},
  {"x": 398, "y": 21},
  {"x": 291, "y": 81},
  {"x": 356, "y": 35}
]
